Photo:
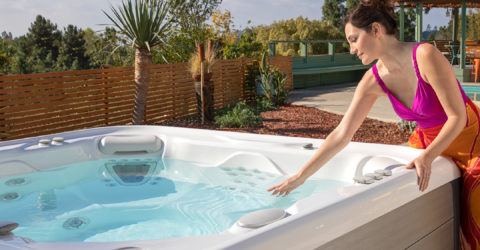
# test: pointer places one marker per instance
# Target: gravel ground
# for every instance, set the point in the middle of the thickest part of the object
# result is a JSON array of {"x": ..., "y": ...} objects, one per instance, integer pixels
[{"x": 300, "y": 121}]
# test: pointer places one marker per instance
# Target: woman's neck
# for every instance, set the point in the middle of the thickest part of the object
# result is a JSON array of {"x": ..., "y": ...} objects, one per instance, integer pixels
[{"x": 395, "y": 55}]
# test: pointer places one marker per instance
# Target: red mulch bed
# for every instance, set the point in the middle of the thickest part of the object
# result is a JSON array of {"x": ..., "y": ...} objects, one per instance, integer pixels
[{"x": 300, "y": 121}]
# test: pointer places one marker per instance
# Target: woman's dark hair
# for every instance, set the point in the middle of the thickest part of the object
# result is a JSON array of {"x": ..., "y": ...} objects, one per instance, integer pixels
[{"x": 370, "y": 11}]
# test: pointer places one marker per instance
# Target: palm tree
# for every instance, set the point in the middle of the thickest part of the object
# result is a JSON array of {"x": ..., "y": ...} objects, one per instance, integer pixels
[{"x": 146, "y": 24}]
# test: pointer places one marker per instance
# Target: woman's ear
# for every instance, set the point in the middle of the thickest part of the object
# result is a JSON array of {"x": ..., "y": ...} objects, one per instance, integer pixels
[{"x": 376, "y": 29}]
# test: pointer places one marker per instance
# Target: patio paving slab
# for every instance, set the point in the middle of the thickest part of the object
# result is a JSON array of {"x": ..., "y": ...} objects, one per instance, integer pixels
[{"x": 337, "y": 98}]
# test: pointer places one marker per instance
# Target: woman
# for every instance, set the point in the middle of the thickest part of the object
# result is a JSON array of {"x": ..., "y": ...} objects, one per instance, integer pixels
[{"x": 421, "y": 85}]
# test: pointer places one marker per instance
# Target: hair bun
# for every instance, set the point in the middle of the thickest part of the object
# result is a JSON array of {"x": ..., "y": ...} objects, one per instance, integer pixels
[
  {"x": 378, "y": 4},
  {"x": 369, "y": 11}
]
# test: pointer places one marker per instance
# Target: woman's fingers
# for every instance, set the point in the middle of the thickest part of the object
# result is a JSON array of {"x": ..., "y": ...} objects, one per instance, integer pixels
[
  {"x": 423, "y": 176},
  {"x": 278, "y": 186},
  {"x": 277, "y": 189},
  {"x": 273, "y": 187},
  {"x": 283, "y": 188},
  {"x": 425, "y": 179},
  {"x": 410, "y": 165},
  {"x": 417, "y": 170},
  {"x": 278, "y": 192},
  {"x": 419, "y": 175},
  {"x": 422, "y": 180}
]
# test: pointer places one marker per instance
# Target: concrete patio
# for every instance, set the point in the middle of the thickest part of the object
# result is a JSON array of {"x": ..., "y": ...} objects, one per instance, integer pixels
[{"x": 337, "y": 98}]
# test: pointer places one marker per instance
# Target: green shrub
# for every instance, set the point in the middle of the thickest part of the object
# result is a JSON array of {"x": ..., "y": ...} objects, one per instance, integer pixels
[
  {"x": 272, "y": 82},
  {"x": 252, "y": 73},
  {"x": 240, "y": 116},
  {"x": 246, "y": 46},
  {"x": 263, "y": 104}
]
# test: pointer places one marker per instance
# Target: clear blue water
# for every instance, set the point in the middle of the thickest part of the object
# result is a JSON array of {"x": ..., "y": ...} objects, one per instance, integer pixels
[
  {"x": 470, "y": 90},
  {"x": 86, "y": 202}
]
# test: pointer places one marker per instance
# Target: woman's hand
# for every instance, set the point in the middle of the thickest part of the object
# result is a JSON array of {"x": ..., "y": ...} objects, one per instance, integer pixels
[
  {"x": 423, "y": 166},
  {"x": 287, "y": 185}
]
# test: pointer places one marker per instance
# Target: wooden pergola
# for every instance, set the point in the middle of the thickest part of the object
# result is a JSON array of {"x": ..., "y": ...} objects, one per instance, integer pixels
[{"x": 454, "y": 4}]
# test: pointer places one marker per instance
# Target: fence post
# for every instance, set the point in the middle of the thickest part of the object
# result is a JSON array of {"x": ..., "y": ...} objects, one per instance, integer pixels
[
  {"x": 331, "y": 51},
  {"x": 304, "y": 51},
  {"x": 202, "y": 94},
  {"x": 402, "y": 21},
  {"x": 271, "y": 48},
  {"x": 418, "y": 21}
]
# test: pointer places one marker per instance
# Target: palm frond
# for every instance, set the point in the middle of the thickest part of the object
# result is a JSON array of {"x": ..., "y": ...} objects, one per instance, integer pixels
[{"x": 146, "y": 23}]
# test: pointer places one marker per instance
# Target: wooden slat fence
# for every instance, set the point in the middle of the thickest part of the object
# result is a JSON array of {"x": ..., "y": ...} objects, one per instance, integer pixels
[
  {"x": 38, "y": 104},
  {"x": 284, "y": 64}
]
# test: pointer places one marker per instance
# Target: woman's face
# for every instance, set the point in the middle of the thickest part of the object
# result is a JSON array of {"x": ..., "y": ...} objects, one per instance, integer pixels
[{"x": 362, "y": 43}]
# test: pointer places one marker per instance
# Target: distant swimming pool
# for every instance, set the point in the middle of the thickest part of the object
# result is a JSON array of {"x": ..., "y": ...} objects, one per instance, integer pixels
[{"x": 473, "y": 91}]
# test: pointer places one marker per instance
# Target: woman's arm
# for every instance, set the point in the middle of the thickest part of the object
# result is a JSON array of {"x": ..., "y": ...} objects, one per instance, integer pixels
[
  {"x": 437, "y": 71},
  {"x": 365, "y": 95}
]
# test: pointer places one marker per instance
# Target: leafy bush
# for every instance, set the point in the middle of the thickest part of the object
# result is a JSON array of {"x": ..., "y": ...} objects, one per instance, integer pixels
[
  {"x": 252, "y": 73},
  {"x": 263, "y": 104},
  {"x": 272, "y": 82},
  {"x": 240, "y": 116},
  {"x": 407, "y": 126},
  {"x": 246, "y": 46}
]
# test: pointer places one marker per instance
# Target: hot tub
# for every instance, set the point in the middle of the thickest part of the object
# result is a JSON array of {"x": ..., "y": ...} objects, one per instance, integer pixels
[{"x": 152, "y": 187}]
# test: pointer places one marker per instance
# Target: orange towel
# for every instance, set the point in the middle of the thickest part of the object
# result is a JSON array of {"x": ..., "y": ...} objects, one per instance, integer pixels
[{"x": 465, "y": 152}]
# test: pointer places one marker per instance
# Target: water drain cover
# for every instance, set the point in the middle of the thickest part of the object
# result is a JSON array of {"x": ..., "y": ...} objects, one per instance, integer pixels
[
  {"x": 15, "y": 182},
  {"x": 75, "y": 223},
  {"x": 10, "y": 196}
]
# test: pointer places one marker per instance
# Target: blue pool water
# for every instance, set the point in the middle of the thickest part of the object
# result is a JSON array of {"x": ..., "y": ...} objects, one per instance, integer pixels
[
  {"x": 473, "y": 91},
  {"x": 141, "y": 199}
]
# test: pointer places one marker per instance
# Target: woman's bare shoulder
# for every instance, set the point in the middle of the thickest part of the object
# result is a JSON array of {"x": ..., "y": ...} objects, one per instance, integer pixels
[
  {"x": 427, "y": 50},
  {"x": 368, "y": 84},
  {"x": 431, "y": 61}
]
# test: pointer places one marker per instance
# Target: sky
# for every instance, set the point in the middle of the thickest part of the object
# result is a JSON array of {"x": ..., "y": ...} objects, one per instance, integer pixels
[{"x": 17, "y": 15}]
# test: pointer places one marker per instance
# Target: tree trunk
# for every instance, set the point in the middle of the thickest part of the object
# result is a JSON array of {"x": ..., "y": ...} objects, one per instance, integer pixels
[
  {"x": 143, "y": 58},
  {"x": 208, "y": 102}
]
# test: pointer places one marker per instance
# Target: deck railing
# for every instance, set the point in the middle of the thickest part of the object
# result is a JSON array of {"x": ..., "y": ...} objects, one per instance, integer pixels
[
  {"x": 310, "y": 47},
  {"x": 322, "y": 62}
]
